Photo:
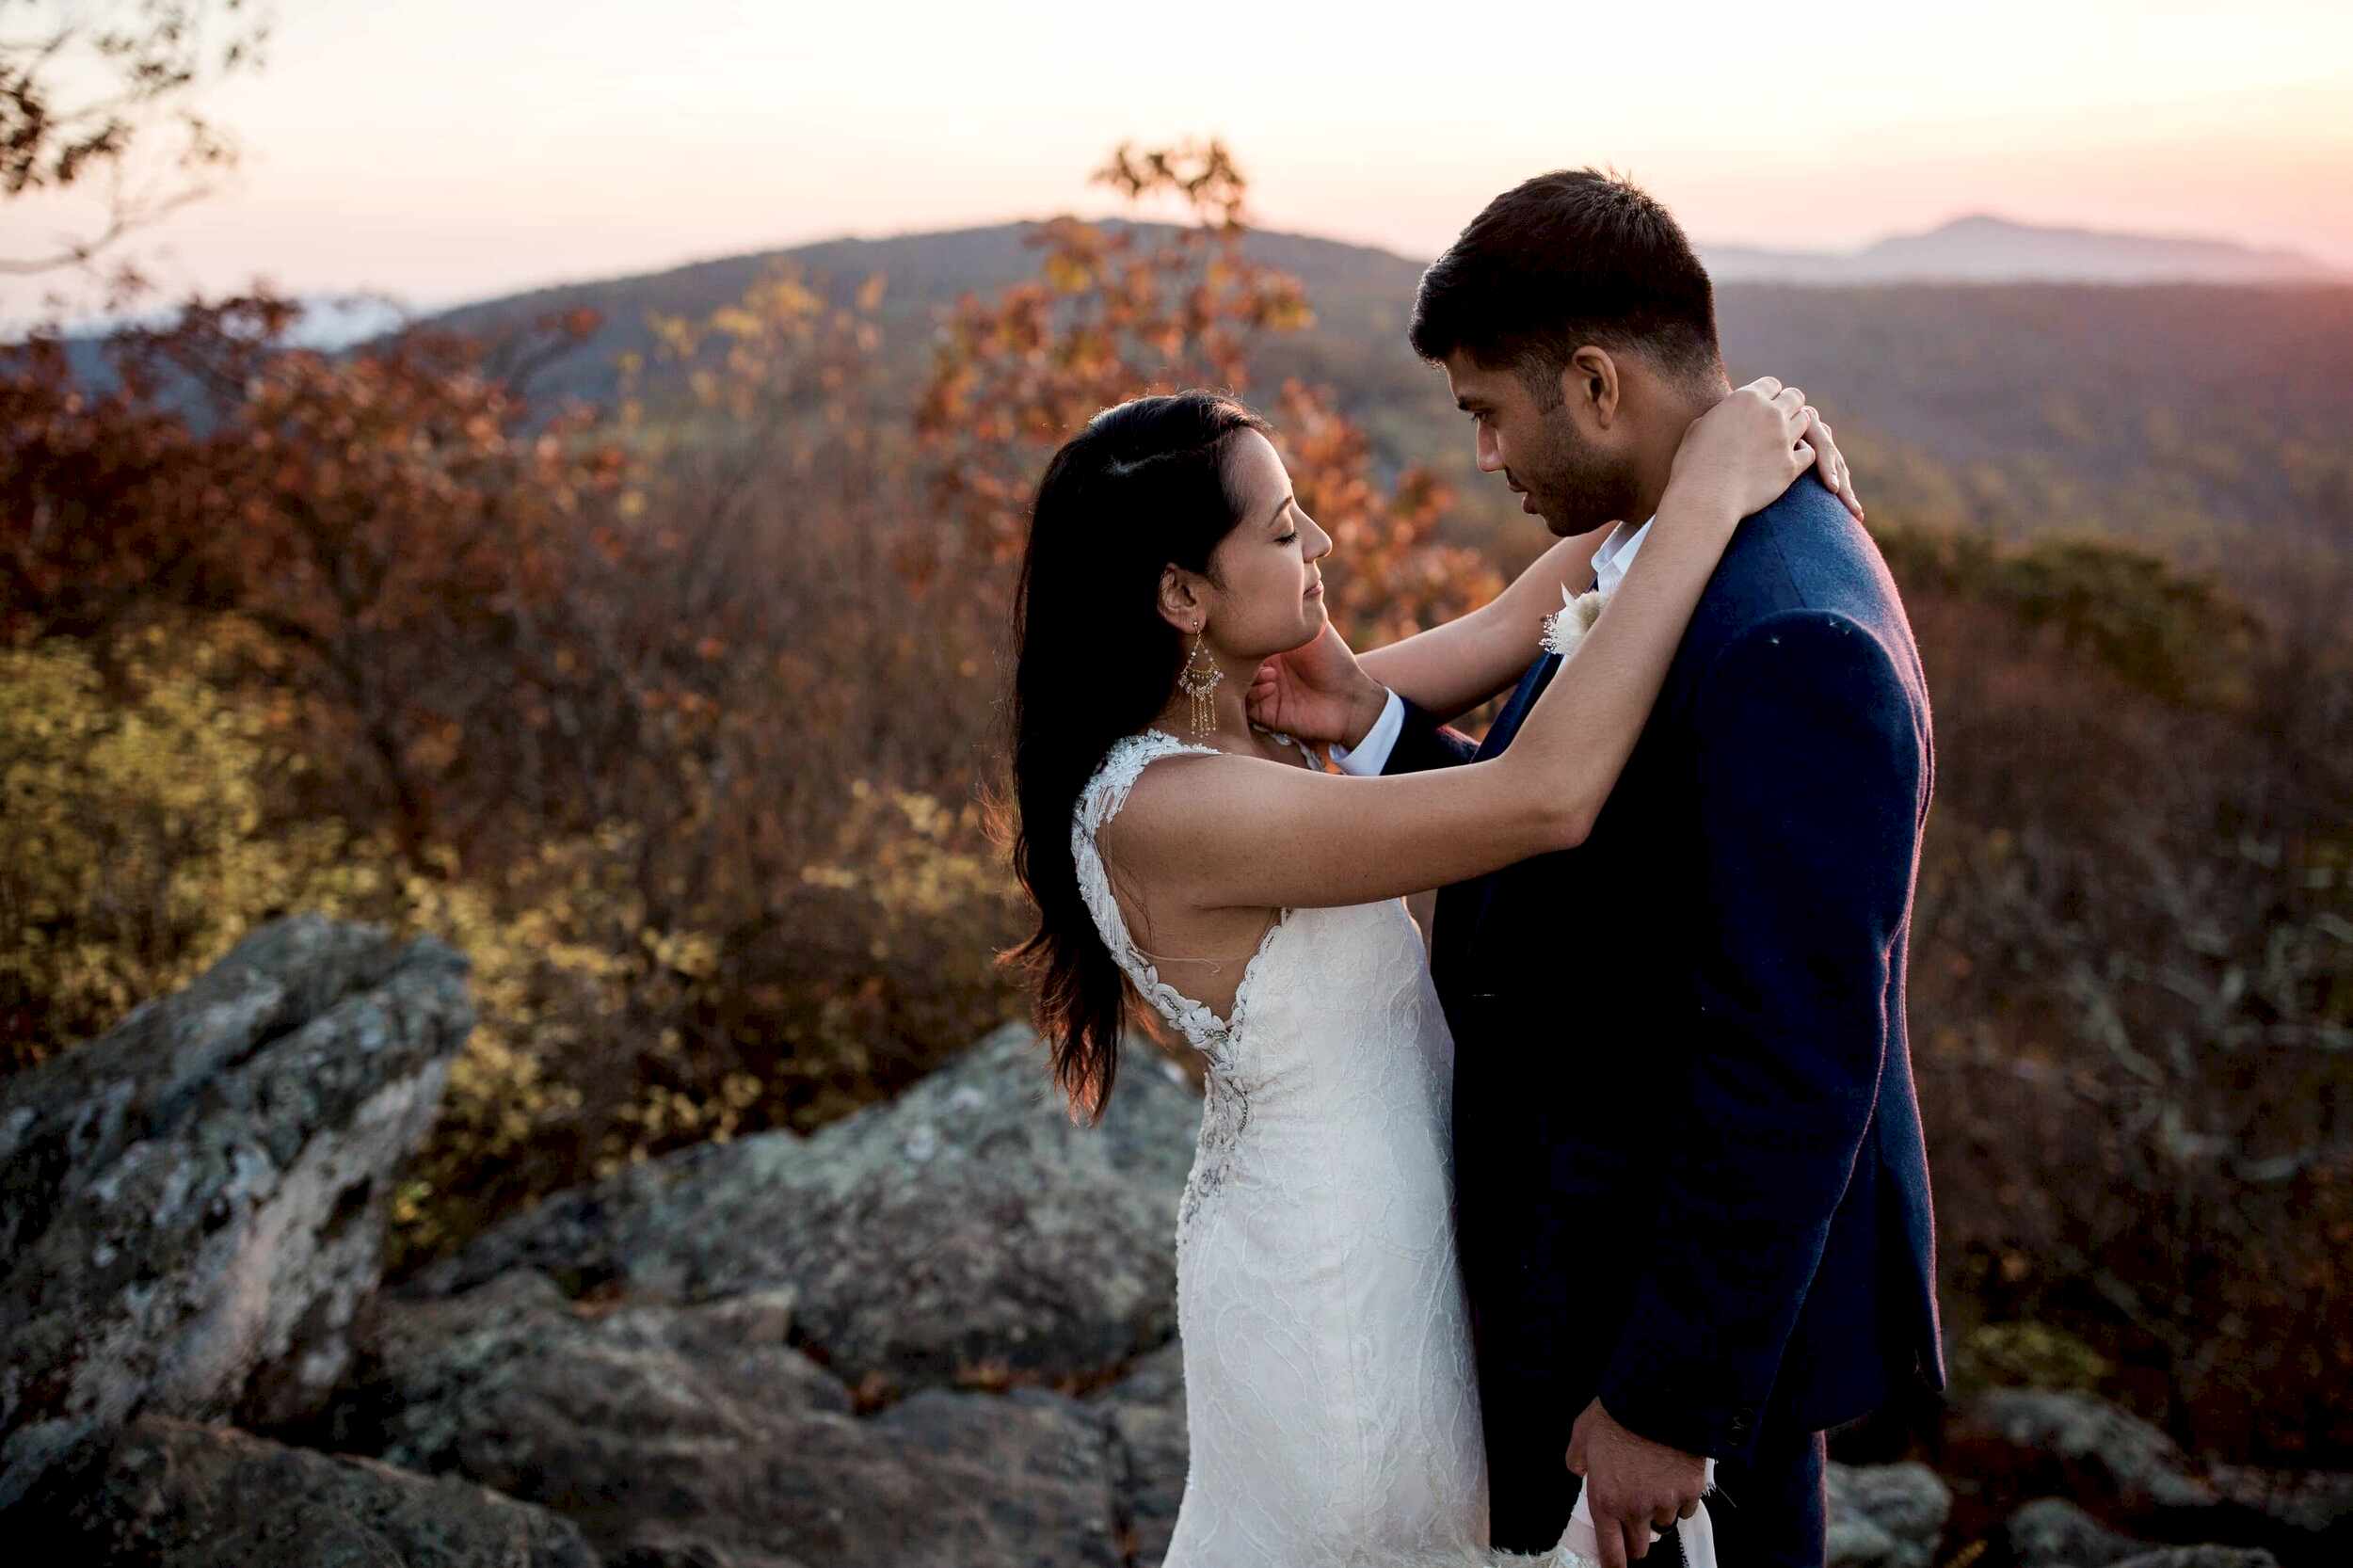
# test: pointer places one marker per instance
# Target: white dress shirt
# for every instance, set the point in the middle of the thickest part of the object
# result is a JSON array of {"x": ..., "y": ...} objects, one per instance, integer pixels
[{"x": 1371, "y": 753}]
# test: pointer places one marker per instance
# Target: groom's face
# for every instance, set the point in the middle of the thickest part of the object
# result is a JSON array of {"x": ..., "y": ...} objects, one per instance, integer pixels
[{"x": 1567, "y": 467}]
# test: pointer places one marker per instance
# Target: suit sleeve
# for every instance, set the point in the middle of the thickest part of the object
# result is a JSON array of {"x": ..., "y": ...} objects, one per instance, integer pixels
[
  {"x": 1425, "y": 744},
  {"x": 1811, "y": 762}
]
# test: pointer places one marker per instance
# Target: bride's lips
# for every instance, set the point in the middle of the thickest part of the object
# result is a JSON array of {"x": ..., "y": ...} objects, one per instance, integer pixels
[{"x": 1314, "y": 592}]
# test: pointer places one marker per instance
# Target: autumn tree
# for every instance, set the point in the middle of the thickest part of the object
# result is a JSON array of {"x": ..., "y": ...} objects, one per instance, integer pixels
[
  {"x": 396, "y": 524},
  {"x": 1119, "y": 311}
]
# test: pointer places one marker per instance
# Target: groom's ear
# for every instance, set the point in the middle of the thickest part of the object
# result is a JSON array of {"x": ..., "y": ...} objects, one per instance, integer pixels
[{"x": 1590, "y": 383}]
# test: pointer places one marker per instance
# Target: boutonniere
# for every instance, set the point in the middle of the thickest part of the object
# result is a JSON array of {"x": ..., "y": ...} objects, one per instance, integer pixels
[{"x": 1566, "y": 627}]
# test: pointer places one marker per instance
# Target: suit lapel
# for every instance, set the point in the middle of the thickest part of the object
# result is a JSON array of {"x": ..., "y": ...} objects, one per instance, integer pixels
[
  {"x": 1464, "y": 907},
  {"x": 1524, "y": 697}
]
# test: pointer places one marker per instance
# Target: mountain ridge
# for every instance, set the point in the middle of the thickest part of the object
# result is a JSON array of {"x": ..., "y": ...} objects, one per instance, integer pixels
[{"x": 1987, "y": 247}]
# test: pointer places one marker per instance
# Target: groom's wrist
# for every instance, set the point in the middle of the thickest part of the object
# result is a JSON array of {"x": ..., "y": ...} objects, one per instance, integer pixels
[{"x": 1364, "y": 711}]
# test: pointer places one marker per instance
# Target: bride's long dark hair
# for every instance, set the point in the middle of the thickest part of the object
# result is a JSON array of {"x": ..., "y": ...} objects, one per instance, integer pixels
[{"x": 1145, "y": 486}]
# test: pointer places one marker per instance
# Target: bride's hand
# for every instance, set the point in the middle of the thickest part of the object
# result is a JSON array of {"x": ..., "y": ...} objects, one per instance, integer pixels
[{"x": 1749, "y": 448}]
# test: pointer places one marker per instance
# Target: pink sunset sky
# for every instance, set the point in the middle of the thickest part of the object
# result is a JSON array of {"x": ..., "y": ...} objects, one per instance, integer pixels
[{"x": 440, "y": 150}]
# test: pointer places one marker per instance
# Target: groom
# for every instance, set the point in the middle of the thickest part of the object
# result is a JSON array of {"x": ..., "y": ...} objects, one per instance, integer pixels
[{"x": 1694, "y": 1199}]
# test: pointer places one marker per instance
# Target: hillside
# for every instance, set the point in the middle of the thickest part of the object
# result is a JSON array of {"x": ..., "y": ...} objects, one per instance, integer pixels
[{"x": 2187, "y": 415}]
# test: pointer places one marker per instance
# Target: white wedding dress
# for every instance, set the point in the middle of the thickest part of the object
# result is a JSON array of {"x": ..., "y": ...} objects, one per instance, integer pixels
[{"x": 1332, "y": 1411}]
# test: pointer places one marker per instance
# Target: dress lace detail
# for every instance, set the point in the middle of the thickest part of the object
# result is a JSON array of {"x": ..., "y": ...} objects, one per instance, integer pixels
[
  {"x": 1097, "y": 804},
  {"x": 1225, "y": 1104},
  {"x": 1332, "y": 1408}
]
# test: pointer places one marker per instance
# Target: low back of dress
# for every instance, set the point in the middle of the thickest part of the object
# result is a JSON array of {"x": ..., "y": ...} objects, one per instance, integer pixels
[{"x": 1328, "y": 1375}]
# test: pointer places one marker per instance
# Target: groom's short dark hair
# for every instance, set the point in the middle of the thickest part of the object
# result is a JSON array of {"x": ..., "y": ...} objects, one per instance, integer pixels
[{"x": 1566, "y": 259}]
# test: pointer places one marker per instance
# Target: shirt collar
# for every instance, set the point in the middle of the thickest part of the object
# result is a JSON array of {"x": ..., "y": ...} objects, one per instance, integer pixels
[{"x": 1617, "y": 554}]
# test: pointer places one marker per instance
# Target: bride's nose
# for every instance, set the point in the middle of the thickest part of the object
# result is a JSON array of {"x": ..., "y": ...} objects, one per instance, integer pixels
[{"x": 1319, "y": 542}]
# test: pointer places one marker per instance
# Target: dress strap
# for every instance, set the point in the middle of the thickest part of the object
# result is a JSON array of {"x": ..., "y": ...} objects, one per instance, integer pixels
[{"x": 1100, "y": 801}]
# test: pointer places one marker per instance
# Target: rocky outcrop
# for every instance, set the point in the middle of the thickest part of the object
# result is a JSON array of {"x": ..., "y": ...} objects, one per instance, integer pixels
[
  {"x": 2035, "y": 1443},
  {"x": 774, "y": 1351},
  {"x": 664, "y": 1430},
  {"x": 1886, "y": 1515},
  {"x": 1146, "y": 1413},
  {"x": 178, "y": 1495},
  {"x": 941, "y": 1331},
  {"x": 192, "y": 1206},
  {"x": 2310, "y": 1512},
  {"x": 2052, "y": 1532},
  {"x": 966, "y": 1227}
]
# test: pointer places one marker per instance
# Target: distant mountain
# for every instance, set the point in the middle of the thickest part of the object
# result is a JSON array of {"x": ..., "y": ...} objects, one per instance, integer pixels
[
  {"x": 329, "y": 321},
  {"x": 2157, "y": 410},
  {"x": 1361, "y": 297},
  {"x": 1988, "y": 250}
]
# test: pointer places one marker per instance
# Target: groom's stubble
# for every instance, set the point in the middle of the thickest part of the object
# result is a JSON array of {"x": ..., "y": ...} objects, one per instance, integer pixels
[
  {"x": 1578, "y": 488},
  {"x": 1583, "y": 489}
]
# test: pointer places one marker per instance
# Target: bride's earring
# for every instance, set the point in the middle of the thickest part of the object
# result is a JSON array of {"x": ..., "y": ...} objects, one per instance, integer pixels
[{"x": 1199, "y": 679}]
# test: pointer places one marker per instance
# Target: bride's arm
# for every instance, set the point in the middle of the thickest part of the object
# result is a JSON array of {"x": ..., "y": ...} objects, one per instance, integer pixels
[
  {"x": 1238, "y": 832},
  {"x": 1453, "y": 668},
  {"x": 1323, "y": 692}
]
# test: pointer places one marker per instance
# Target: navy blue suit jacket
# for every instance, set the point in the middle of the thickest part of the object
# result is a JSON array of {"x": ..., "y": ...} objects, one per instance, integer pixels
[{"x": 1689, "y": 1171}]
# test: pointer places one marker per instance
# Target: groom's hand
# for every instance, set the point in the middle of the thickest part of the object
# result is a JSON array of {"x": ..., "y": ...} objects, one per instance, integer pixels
[
  {"x": 1317, "y": 692},
  {"x": 1632, "y": 1485}
]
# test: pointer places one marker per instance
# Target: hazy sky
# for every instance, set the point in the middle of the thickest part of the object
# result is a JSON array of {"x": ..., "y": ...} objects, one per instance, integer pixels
[{"x": 443, "y": 150}]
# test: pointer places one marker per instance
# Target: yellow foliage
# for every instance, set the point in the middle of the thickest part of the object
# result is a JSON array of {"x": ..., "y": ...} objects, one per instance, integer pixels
[
  {"x": 133, "y": 851},
  {"x": 137, "y": 846}
]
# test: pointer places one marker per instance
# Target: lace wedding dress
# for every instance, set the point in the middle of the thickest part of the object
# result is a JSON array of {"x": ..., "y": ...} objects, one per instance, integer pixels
[{"x": 1333, "y": 1412}]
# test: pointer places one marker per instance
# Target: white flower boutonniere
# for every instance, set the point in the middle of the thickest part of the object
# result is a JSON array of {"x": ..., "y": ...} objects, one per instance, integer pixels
[{"x": 1566, "y": 627}]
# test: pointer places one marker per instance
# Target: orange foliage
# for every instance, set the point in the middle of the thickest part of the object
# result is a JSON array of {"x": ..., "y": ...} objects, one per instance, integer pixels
[
  {"x": 388, "y": 519},
  {"x": 1115, "y": 313}
]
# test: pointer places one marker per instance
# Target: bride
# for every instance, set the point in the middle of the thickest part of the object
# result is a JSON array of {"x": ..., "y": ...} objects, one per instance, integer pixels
[{"x": 1255, "y": 901}]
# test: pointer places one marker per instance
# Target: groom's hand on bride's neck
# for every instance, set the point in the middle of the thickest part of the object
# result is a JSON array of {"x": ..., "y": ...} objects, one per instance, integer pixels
[{"x": 1318, "y": 692}]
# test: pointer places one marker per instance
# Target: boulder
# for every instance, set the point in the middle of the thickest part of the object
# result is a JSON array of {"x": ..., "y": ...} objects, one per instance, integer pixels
[
  {"x": 1885, "y": 1515},
  {"x": 966, "y": 1228},
  {"x": 180, "y": 1494},
  {"x": 2310, "y": 1513},
  {"x": 192, "y": 1206},
  {"x": 2202, "y": 1556},
  {"x": 1146, "y": 1412},
  {"x": 2052, "y": 1532},
  {"x": 2033, "y": 1443},
  {"x": 2041, "y": 1443},
  {"x": 695, "y": 1433}
]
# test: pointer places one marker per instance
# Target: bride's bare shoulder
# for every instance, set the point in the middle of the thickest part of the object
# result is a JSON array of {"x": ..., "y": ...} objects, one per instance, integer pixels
[{"x": 1182, "y": 798}]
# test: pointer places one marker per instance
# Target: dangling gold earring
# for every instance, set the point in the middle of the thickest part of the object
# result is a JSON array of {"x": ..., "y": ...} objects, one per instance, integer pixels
[{"x": 1198, "y": 680}]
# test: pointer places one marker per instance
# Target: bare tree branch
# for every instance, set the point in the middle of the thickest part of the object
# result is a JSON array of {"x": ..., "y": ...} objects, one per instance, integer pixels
[{"x": 149, "y": 59}]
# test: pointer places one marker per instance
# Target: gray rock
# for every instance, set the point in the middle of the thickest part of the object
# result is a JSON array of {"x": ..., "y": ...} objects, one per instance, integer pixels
[
  {"x": 1147, "y": 1411},
  {"x": 2040, "y": 1443},
  {"x": 2315, "y": 1506},
  {"x": 2202, "y": 1556},
  {"x": 179, "y": 1494},
  {"x": 194, "y": 1204},
  {"x": 2052, "y": 1532},
  {"x": 695, "y": 1434},
  {"x": 967, "y": 1226},
  {"x": 1885, "y": 1515}
]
